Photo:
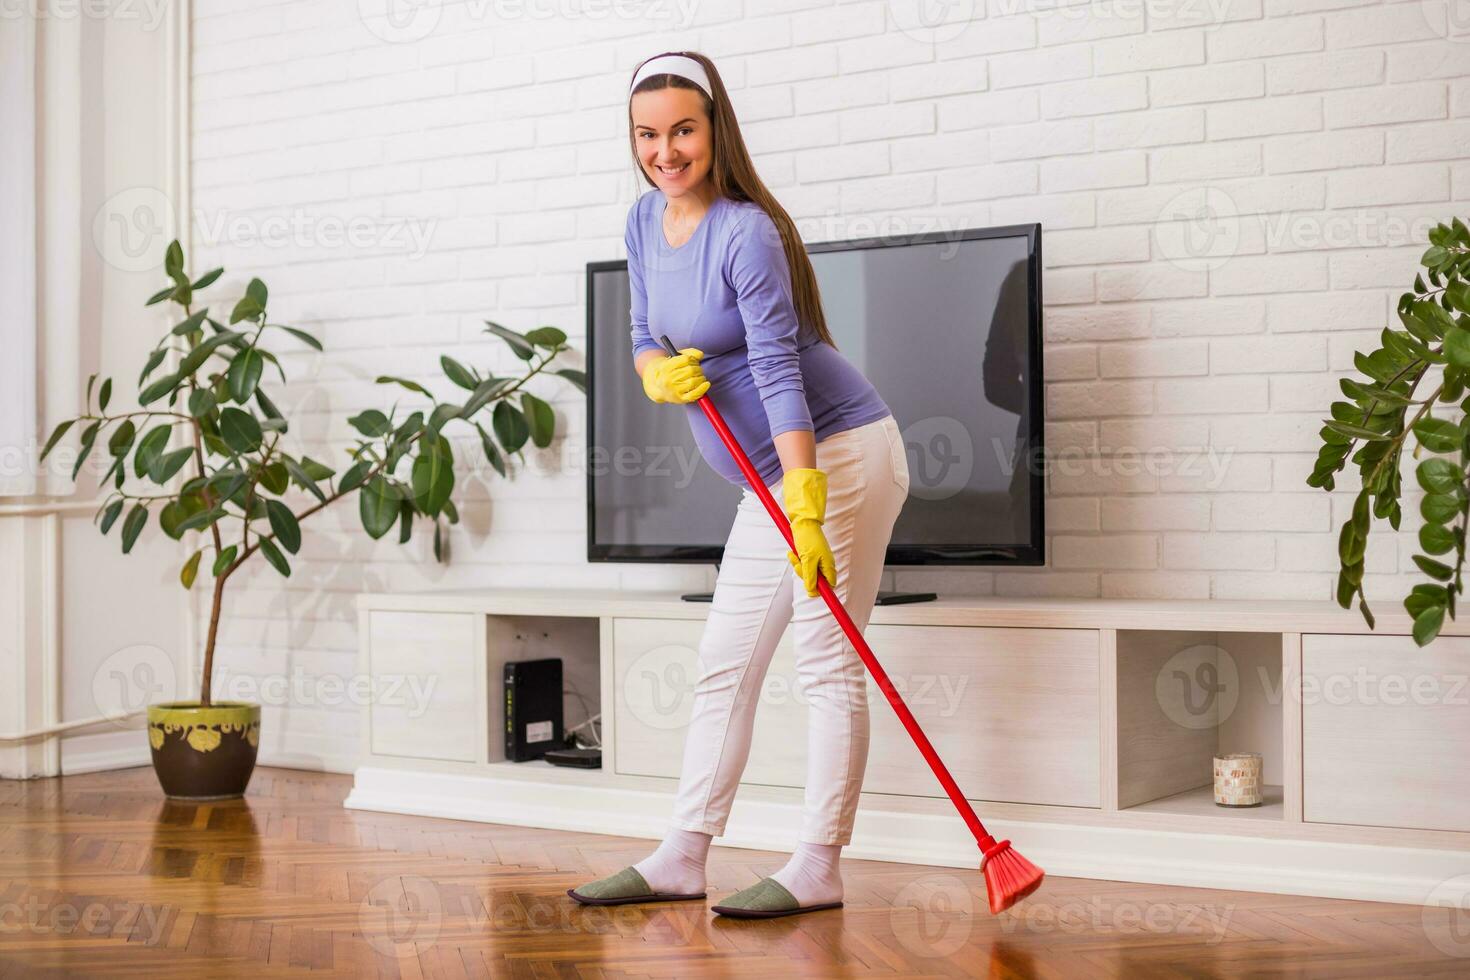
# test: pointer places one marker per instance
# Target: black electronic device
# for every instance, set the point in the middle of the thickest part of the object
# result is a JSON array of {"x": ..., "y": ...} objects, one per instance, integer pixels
[
  {"x": 575, "y": 758},
  {"x": 533, "y": 718}
]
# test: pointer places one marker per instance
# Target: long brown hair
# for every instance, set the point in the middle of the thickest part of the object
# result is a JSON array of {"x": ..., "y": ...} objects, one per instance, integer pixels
[{"x": 734, "y": 176}]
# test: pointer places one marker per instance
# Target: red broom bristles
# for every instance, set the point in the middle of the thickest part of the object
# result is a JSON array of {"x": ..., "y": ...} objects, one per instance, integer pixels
[{"x": 1008, "y": 876}]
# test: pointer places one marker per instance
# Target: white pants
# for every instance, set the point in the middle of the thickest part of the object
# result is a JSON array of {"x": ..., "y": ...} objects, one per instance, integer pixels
[{"x": 756, "y": 594}]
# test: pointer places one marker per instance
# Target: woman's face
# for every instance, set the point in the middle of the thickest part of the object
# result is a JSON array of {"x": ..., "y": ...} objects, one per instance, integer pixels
[{"x": 672, "y": 133}]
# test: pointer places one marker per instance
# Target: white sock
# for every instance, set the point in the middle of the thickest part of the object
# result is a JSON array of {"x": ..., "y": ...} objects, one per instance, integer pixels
[
  {"x": 811, "y": 874},
  {"x": 677, "y": 866}
]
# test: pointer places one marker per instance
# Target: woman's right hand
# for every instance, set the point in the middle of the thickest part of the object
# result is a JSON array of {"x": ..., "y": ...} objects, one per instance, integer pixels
[{"x": 675, "y": 379}]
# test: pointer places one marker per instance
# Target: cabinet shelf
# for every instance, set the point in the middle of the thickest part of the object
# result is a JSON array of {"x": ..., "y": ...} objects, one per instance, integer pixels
[
  {"x": 1187, "y": 696},
  {"x": 1200, "y": 802}
]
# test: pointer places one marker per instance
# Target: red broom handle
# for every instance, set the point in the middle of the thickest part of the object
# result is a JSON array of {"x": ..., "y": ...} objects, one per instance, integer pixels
[{"x": 986, "y": 842}]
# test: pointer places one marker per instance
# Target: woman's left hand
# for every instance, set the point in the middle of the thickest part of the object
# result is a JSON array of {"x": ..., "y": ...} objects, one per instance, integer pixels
[{"x": 805, "y": 491}]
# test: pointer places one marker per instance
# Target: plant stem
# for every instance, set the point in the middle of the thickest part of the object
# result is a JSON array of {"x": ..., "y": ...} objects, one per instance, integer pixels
[
  {"x": 1399, "y": 439},
  {"x": 214, "y": 609},
  {"x": 207, "y": 670},
  {"x": 337, "y": 495},
  {"x": 143, "y": 412},
  {"x": 1368, "y": 412},
  {"x": 534, "y": 371},
  {"x": 142, "y": 497}
]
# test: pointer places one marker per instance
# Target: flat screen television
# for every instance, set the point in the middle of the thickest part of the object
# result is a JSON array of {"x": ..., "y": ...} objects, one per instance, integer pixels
[{"x": 947, "y": 327}]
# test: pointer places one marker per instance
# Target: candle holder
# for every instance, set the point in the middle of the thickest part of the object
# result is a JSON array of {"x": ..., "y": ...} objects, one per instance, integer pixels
[{"x": 1238, "y": 779}]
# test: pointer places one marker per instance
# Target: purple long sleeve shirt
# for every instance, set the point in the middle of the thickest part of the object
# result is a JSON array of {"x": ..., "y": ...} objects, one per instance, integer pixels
[{"x": 727, "y": 292}]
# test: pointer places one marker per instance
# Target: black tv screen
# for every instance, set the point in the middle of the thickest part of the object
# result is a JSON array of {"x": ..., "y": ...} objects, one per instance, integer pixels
[{"x": 947, "y": 327}]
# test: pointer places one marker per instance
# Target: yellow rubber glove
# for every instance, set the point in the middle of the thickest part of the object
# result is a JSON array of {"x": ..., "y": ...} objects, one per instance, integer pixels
[
  {"x": 805, "y": 491},
  {"x": 675, "y": 379}
]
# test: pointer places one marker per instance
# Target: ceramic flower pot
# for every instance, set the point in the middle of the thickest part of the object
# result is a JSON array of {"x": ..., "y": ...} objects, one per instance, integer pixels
[{"x": 204, "y": 753}]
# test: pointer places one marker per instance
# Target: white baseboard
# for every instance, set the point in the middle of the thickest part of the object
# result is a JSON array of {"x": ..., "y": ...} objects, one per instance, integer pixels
[
  {"x": 312, "y": 755},
  {"x": 1289, "y": 867},
  {"x": 106, "y": 751}
]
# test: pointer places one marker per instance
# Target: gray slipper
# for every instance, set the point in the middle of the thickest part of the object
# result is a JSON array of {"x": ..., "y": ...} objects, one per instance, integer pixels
[
  {"x": 766, "y": 899},
  {"x": 623, "y": 888}
]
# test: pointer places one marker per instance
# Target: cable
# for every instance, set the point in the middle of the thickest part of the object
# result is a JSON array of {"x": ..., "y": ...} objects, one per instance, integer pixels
[
  {"x": 586, "y": 709},
  {"x": 597, "y": 739}
]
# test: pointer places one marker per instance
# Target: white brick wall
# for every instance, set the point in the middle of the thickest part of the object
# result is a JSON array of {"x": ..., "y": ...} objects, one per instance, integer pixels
[{"x": 1184, "y": 389}]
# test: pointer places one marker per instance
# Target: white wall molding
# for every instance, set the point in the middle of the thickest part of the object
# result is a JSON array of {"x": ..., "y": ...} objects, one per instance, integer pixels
[
  {"x": 51, "y": 506},
  {"x": 115, "y": 754},
  {"x": 43, "y": 249},
  {"x": 179, "y": 23},
  {"x": 30, "y": 597},
  {"x": 21, "y": 157}
]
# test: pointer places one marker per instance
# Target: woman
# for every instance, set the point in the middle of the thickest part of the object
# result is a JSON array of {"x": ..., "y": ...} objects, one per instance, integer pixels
[{"x": 716, "y": 264}]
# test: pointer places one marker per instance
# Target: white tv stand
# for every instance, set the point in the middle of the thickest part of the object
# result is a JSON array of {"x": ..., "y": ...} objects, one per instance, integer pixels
[{"x": 1081, "y": 729}]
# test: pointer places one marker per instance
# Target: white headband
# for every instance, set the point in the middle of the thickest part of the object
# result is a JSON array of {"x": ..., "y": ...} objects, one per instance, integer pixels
[{"x": 673, "y": 64}]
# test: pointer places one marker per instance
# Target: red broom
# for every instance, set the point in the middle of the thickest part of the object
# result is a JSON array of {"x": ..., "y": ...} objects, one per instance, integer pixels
[{"x": 1009, "y": 877}]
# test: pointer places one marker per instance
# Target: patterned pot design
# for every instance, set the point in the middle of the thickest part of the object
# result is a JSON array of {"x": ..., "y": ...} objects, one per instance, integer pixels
[{"x": 204, "y": 753}]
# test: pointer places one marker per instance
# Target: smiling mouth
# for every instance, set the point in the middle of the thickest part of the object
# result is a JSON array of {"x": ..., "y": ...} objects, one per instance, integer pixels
[{"x": 674, "y": 172}]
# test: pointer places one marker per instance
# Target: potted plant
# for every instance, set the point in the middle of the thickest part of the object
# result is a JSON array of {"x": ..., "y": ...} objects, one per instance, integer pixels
[
  {"x": 207, "y": 443},
  {"x": 1434, "y": 344}
]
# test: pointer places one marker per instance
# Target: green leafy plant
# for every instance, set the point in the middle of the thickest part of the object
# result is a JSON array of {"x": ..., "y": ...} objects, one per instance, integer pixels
[
  {"x": 1434, "y": 343},
  {"x": 203, "y": 407}
]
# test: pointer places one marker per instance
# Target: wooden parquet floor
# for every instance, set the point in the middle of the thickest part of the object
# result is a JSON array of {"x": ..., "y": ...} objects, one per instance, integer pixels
[{"x": 101, "y": 876}]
